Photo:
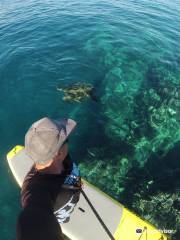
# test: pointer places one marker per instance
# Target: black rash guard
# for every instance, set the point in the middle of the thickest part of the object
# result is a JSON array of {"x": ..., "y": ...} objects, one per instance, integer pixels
[{"x": 38, "y": 220}]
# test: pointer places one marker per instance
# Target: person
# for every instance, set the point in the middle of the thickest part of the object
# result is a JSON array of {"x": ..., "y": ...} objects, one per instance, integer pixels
[{"x": 46, "y": 199}]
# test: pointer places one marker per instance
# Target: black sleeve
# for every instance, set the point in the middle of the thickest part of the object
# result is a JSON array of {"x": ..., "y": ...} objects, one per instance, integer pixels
[
  {"x": 37, "y": 221},
  {"x": 40, "y": 190},
  {"x": 37, "y": 224}
]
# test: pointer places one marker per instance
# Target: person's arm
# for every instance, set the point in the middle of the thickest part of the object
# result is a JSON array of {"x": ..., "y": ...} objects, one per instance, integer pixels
[
  {"x": 37, "y": 224},
  {"x": 36, "y": 220}
]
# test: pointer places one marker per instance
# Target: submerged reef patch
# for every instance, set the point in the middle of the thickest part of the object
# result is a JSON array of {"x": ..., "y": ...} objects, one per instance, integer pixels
[{"x": 140, "y": 106}]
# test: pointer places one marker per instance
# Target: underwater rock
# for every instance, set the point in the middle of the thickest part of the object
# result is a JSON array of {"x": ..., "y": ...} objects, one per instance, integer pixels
[
  {"x": 161, "y": 209},
  {"x": 109, "y": 175},
  {"x": 171, "y": 111},
  {"x": 99, "y": 43},
  {"x": 123, "y": 79},
  {"x": 140, "y": 100},
  {"x": 159, "y": 119},
  {"x": 141, "y": 105},
  {"x": 148, "y": 120}
]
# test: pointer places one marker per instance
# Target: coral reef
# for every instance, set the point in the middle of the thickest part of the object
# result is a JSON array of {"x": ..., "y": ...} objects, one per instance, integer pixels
[
  {"x": 140, "y": 100},
  {"x": 141, "y": 106},
  {"x": 157, "y": 114},
  {"x": 121, "y": 84},
  {"x": 161, "y": 209},
  {"x": 109, "y": 175}
]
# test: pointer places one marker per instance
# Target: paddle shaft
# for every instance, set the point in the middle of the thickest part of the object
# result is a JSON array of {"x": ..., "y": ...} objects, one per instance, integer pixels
[{"x": 97, "y": 215}]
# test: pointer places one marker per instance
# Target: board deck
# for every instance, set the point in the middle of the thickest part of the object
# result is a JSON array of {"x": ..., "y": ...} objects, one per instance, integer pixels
[{"x": 83, "y": 224}]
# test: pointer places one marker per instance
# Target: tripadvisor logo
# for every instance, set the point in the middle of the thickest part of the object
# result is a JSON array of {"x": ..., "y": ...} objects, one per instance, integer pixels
[{"x": 169, "y": 231}]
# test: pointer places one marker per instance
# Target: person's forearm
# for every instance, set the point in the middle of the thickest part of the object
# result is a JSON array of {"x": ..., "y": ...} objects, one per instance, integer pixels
[{"x": 36, "y": 224}]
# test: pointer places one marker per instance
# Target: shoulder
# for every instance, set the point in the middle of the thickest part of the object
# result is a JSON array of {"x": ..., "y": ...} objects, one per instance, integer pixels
[{"x": 40, "y": 189}]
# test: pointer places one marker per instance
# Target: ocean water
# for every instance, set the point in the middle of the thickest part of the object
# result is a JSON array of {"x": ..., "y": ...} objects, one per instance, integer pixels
[{"x": 127, "y": 140}]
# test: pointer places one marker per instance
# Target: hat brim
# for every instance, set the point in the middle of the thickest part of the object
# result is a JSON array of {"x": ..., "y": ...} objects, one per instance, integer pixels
[{"x": 68, "y": 125}]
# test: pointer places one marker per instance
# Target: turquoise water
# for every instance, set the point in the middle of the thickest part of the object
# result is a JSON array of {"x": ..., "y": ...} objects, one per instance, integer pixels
[{"x": 127, "y": 142}]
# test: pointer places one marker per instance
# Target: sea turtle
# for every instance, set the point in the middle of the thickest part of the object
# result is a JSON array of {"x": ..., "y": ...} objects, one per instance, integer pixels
[{"x": 77, "y": 92}]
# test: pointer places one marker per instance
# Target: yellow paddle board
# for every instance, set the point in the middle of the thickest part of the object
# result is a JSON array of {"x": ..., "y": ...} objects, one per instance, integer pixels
[{"x": 83, "y": 225}]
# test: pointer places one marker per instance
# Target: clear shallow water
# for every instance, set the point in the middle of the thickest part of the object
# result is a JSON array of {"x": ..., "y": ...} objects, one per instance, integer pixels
[{"x": 129, "y": 50}]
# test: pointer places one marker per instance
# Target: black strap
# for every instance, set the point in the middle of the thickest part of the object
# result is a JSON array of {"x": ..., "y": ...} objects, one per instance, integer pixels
[{"x": 71, "y": 187}]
